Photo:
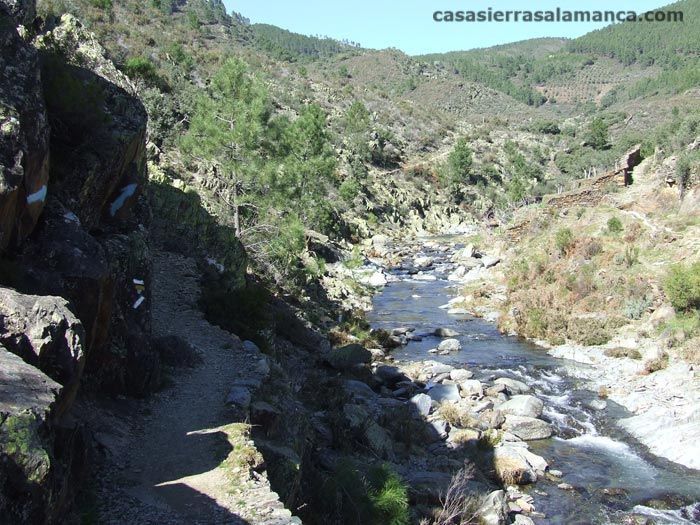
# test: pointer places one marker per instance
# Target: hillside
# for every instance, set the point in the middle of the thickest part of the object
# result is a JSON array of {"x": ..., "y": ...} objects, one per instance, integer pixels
[{"x": 197, "y": 215}]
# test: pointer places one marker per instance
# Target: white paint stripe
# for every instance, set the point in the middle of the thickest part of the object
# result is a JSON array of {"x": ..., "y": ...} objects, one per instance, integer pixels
[{"x": 38, "y": 196}]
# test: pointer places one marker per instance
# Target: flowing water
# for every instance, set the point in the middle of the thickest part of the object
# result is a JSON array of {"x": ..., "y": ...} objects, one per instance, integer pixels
[{"x": 612, "y": 474}]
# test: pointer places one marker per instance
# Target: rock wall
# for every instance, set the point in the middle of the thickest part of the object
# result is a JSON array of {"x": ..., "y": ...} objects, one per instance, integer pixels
[
  {"x": 74, "y": 253},
  {"x": 24, "y": 131}
]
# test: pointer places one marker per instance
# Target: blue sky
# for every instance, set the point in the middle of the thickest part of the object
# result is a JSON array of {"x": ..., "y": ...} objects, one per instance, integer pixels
[{"x": 409, "y": 26}]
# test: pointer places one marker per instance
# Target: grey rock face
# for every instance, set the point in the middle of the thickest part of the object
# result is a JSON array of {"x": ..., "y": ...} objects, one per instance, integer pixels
[
  {"x": 102, "y": 186},
  {"x": 24, "y": 129},
  {"x": 22, "y": 11},
  {"x": 44, "y": 333}
]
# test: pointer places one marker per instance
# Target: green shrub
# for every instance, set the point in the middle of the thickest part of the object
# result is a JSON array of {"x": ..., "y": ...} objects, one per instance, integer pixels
[
  {"x": 682, "y": 286},
  {"x": 141, "y": 67},
  {"x": 373, "y": 497},
  {"x": 615, "y": 225},
  {"x": 101, "y": 4},
  {"x": 636, "y": 307},
  {"x": 547, "y": 127},
  {"x": 598, "y": 136},
  {"x": 564, "y": 240}
]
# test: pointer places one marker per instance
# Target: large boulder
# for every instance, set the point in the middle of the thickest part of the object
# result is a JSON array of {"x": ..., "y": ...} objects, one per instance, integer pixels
[
  {"x": 44, "y": 333},
  {"x": 63, "y": 259},
  {"x": 348, "y": 357},
  {"x": 517, "y": 465},
  {"x": 494, "y": 508},
  {"x": 523, "y": 405},
  {"x": 24, "y": 129},
  {"x": 27, "y": 397},
  {"x": 527, "y": 428},
  {"x": 361, "y": 421},
  {"x": 513, "y": 386},
  {"x": 41, "y": 460},
  {"x": 98, "y": 126}
]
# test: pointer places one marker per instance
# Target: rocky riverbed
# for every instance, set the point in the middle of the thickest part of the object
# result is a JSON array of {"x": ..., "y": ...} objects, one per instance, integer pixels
[{"x": 534, "y": 422}]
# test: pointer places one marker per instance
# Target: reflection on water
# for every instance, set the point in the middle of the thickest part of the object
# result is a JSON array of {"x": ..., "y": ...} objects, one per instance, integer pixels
[{"x": 611, "y": 473}]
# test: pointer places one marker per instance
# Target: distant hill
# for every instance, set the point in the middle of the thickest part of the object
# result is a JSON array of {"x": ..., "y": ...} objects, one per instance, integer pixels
[
  {"x": 666, "y": 44},
  {"x": 533, "y": 48},
  {"x": 286, "y": 45}
]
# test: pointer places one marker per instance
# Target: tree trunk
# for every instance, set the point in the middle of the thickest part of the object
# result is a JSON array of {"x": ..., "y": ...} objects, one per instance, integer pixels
[{"x": 236, "y": 212}]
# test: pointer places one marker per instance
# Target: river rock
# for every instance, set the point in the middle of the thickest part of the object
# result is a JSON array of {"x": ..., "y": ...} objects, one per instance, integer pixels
[
  {"x": 490, "y": 262},
  {"x": 496, "y": 389},
  {"x": 239, "y": 397},
  {"x": 450, "y": 345},
  {"x": 466, "y": 253},
  {"x": 423, "y": 262},
  {"x": 445, "y": 332},
  {"x": 527, "y": 428},
  {"x": 522, "y": 520},
  {"x": 517, "y": 465},
  {"x": 463, "y": 437},
  {"x": 423, "y": 403},
  {"x": 513, "y": 386},
  {"x": 458, "y": 274},
  {"x": 523, "y": 405},
  {"x": 375, "y": 436},
  {"x": 598, "y": 404},
  {"x": 439, "y": 429},
  {"x": 439, "y": 368},
  {"x": 471, "y": 387},
  {"x": 460, "y": 374},
  {"x": 444, "y": 392},
  {"x": 375, "y": 280},
  {"x": 390, "y": 375},
  {"x": 359, "y": 390},
  {"x": 427, "y": 487},
  {"x": 494, "y": 509},
  {"x": 490, "y": 419}
]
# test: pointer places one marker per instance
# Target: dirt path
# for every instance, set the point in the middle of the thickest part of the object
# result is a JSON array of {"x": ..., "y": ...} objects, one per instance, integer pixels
[{"x": 166, "y": 463}]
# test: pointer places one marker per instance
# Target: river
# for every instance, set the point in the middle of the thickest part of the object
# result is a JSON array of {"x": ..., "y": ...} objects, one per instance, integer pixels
[{"x": 612, "y": 475}]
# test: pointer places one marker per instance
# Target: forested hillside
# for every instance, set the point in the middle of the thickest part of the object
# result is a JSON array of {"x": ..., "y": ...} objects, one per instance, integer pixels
[
  {"x": 666, "y": 44},
  {"x": 286, "y": 45}
]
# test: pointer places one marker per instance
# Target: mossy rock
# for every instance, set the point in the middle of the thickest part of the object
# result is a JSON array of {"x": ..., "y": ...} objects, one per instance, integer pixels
[
  {"x": 20, "y": 441},
  {"x": 348, "y": 357}
]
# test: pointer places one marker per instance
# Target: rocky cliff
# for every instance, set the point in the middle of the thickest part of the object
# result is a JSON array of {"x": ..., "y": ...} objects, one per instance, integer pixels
[{"x": 74, "y": 270}]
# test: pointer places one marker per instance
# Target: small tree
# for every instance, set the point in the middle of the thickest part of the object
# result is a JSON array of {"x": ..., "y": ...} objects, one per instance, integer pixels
[
  {"x": 683, "y": 287},
  {"x": 564, "y": 240},
  {"x": 459, "y": 164},
  {"x": 615, "y": 225},
  {"x": 598, "y": 136},
  {"x": 228, "y": 127}
]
